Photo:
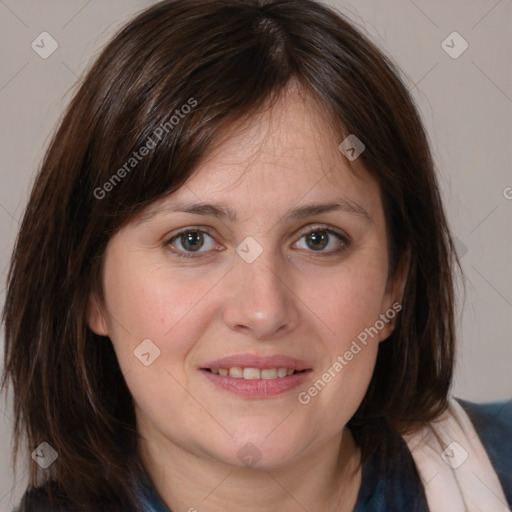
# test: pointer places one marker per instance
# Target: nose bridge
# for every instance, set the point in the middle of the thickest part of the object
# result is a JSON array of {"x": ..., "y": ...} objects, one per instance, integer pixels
[
  {"x": 264, "y": 275},
  {"x": 260, "y": 299}
]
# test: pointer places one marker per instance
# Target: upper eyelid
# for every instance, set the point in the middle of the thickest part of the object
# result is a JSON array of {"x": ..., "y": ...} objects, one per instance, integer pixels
[
  {"x": 189, "y": 229},
  {"x": 300, "y": 233},
  {"x": 311, "y": 227}
]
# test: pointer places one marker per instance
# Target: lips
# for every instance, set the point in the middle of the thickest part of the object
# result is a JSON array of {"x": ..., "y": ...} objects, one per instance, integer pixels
[{"x": 256, "y": 376}]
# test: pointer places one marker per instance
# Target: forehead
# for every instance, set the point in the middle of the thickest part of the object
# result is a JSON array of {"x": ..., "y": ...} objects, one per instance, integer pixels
[
  {"x": 293, "y": 134},
  {"x": 285, "y": 154}
]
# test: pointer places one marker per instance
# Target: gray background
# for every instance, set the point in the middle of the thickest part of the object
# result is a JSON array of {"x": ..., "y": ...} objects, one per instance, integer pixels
[{"x": 465, "y": 103}]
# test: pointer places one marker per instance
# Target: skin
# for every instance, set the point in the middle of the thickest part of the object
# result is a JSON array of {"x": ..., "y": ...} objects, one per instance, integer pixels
[{"x": 292, "y": 300}]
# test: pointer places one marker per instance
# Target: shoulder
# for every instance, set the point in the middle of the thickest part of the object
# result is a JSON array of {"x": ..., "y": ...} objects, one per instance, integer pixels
[
  {"x": 493, "y": 424},
  {"x": 50, "y": 498},
  {"x": 390, "y": 480}
]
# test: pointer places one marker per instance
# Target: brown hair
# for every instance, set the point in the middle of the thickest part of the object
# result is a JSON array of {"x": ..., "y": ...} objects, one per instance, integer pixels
[{"x": 225, "y": 59}]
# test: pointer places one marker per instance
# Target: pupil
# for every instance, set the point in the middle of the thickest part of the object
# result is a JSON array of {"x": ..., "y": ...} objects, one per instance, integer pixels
[
  {"x": 192, "y": 241},
  {"x": 318, "y": 240}
]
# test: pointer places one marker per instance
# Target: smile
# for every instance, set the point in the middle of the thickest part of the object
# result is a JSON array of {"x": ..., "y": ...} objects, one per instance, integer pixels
[
  {"x": 255, "y": 376},
  {"x": 254, "y": 373}
]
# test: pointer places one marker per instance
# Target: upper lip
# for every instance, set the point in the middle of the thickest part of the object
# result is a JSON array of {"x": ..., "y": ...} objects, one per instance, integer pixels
[{"x": 256, "y": 361}]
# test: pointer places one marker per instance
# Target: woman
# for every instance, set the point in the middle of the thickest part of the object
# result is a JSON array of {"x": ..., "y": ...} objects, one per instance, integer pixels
[{"x": 232, "y": 288}]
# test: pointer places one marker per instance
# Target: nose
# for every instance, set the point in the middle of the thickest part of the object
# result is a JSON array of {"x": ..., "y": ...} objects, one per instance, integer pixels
[{"x": 260, "y": 299}]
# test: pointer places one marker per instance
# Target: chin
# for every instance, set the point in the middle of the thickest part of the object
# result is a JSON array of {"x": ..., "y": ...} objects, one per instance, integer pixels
[{"x": 262, "y": 449}]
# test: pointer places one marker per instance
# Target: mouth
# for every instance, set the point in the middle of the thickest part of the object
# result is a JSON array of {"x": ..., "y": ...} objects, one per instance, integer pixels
[
  {"x": 249, "y": 373},
  {"x": 255, "y": 376}
]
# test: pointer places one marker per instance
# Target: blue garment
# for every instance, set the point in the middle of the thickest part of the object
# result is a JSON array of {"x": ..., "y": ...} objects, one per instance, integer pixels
[{"x": 398, "y": 488}]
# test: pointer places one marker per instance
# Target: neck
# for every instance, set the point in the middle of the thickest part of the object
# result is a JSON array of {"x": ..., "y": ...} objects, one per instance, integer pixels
[{"x": 326, "y": 480}]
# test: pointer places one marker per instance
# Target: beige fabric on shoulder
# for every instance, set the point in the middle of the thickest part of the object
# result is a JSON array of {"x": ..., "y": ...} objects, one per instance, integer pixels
[{"x": 454, "y": 467}]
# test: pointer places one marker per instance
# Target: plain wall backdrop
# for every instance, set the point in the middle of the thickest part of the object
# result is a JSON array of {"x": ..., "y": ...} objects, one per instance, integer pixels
[{"x": 465, "y": 101}]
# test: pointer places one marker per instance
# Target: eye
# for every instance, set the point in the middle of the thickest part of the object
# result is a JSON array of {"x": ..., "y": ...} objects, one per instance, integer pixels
[
  {"x": 198, "y": 240},
  {"x": 321, "y": 239},
  {"x": 191, "y": 240}
]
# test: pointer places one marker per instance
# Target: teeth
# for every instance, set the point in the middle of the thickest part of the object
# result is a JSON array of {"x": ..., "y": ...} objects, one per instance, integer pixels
[
  {"x": 269, "y": 373},
  {"x": 253, "y": 373},
  {"x": 236, "y": 372}
]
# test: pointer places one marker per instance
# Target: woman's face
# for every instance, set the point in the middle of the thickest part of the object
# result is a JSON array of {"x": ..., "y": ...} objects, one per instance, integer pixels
[{"x": 285, "y": 267}]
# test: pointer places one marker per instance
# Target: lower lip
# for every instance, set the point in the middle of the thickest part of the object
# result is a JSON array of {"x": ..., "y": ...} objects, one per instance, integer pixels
[{"x": 257, "y": 388}]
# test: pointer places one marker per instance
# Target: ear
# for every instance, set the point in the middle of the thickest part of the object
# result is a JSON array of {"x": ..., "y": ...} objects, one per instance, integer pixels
[
  {"x": 96, "y": 318},
  {"x": 392, "y": 303}
]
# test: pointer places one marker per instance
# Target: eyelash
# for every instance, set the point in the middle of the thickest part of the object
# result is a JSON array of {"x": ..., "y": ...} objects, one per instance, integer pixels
[{"x": 181, "y": 254}]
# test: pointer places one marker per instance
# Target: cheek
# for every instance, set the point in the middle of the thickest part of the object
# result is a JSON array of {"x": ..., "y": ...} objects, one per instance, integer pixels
[
  {"x": 171, "y": 312},
  {"x": 147, "y": 303},
  {"x": 349, "y": 311},
  {"x": 349, "y": 300},
  {"x": 349, "y": 305}
]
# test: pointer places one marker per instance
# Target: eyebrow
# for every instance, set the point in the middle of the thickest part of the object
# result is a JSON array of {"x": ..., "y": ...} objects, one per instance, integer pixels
[{"x": 297, "y": 213}]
